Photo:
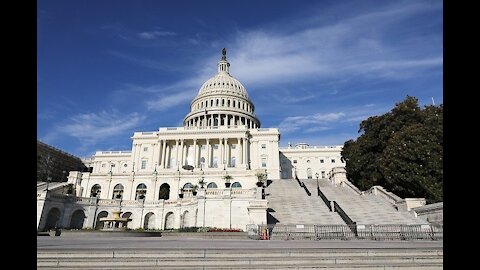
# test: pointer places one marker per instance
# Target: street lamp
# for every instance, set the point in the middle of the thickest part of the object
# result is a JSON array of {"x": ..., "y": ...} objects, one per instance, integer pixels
[{"x": 316, "y": 175}]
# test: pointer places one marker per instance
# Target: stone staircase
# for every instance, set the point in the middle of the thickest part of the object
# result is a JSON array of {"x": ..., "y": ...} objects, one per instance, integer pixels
[
  {"x": 363, "y": 209},
  {"x": 290, "y": 204},
  {"x": 238, "y": 258}
]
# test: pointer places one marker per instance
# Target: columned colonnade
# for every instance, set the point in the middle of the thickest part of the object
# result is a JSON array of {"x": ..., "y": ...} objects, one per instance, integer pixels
[
  {"x": 182, "y": 149},
  {"x": 210, "y": 120}
]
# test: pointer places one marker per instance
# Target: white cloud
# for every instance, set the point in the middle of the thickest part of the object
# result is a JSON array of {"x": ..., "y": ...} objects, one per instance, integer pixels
[
  {"x": 155, "y": 34},
  {"x": 92, "y": 127},
  {"x": 309, "y": 123}
]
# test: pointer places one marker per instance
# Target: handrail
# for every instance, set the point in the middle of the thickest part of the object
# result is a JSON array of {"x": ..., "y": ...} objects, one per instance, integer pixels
[
  {"x": 324, "y": 199},
  {"x": 342, "y": 214}
]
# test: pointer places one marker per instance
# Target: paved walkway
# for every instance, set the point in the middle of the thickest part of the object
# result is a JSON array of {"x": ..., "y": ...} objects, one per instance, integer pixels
[{"x": 142, "y": 243}]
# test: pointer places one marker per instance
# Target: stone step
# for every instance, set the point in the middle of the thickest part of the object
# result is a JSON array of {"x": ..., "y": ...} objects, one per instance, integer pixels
[{"x": 243, "y": 259}]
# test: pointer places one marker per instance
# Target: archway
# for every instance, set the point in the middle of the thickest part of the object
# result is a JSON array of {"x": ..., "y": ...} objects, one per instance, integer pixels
[
  {"x": 117, "y": 191},
  {"x": 96, "y": 191},
  {"x": 187, "y": 219},
  {"x": 99, "y": 224},
  {"x": 164, "y": 193},
  {"x": 141, "y": 192},
  {"x": 169, "y": 221},
  {"x": 52, "y": 218},
  {"x": 127, "y": 215},
  {"x": 78, "y": 217},
  {"x": 149, "y": 222}
]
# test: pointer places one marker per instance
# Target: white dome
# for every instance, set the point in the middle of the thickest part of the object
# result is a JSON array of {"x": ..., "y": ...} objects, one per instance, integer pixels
[
  {"x": 222, "y": 101},
  {"x": 223, "y": 83}
]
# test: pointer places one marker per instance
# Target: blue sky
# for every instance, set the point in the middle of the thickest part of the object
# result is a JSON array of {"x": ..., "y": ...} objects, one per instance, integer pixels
[{"x": 314, "y": 69}]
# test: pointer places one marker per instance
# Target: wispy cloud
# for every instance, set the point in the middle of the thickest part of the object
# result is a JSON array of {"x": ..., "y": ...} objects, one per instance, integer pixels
[
  {"x": 318, "y": 121},
  {"x": 155, "y": 34},
  {"x": 141, "y": 61},
  {"x": 92, "y": 127}
]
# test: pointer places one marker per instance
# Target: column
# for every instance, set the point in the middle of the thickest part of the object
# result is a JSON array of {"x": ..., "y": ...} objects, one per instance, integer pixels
[
  {"x": 227, "y": 148},
  {"x": 240, "y": 151},
  {"x": 225, "y": 121},
  {"x": 222, "y": 151},
  {"x": 245, "y": 158},
  {"x": 195, "y": 155},
  {"x": 182, "y": 151},
  {"x": 155, "y": 145},
  {"x": 176, "y": 153},
  {"x": 164, "y": 153},
  {"x": 208, "y": 153}
]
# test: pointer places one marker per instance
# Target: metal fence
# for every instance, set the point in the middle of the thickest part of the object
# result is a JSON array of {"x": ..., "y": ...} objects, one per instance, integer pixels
[{"x": 345, "y": 232}]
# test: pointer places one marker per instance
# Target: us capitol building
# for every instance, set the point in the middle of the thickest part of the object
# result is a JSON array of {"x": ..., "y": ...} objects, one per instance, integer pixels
[{"x": 212, "y": 172}]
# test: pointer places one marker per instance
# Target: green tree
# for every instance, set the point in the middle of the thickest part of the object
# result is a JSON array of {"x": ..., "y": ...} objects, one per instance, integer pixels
[{"x": 401, "y": 150}]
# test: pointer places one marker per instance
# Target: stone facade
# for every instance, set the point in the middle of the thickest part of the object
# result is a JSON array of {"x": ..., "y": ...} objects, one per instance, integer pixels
[{"x": 154, "y": 183}]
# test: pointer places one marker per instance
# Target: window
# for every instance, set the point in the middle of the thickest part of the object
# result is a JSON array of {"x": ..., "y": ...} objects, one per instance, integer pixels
[
  {"x": 309, "y": 173},
  {"x": 232, "y": 162},
  {"x": 117, "y": 192},
  {"x": 234, "y": 146},
  {"x": 333, "y": 160},
  {"x": 308, "y": 160},
  {"x": 212, "y": 185},
  {"x": 125, "y": 165},
  {"x": 144, "y": 164},
  {"x": 141, "y": 192},
  {"x": 203, "y": 146},
  {"x": 323, "y": 174},
  {"x": 215, "y": 162},
  {"x": 103, "y": 165},
  {"x": 215, "y": 146},
  {"x": 188, "y": 186},
  {"x": 294, "y": 161},
  {"x": 96, "y": 190},
  {"x": 145, "y": 149},
  {"x": 236, "y": 185},
  {"x": 264, "y": 162},
  {"x": 113, "y": 165},
  {"x": 321, "y": 161},
  {"x": 264, "y": 146}
]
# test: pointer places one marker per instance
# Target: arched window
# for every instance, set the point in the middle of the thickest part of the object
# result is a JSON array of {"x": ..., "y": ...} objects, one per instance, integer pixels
[
  {"x": 117, "y": 192},
  {"x": 188, "y": 186},
  {"x": 164, "y": 193},
  {"x": 212, "y": 185},
  {"x": 236, "y": 185},
  {"x": 78, "y": 217},
  {"x": 223, "y": 102},
  {"x": 228, "y": 103},
  {"x": 216, "y": 104},
  {"x": 141, "y": 192},
  {"x": 96, "y": 190},
  {"x": 211, "y": 103}
]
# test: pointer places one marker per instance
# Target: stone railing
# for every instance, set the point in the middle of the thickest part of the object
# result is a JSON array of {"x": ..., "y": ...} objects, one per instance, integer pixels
[
  {"x": 113, "y": 152},
  {"x": 243, "y": 192},
  {"x": 154, "y": 203},
  {"x": 132, "y": 203},
  {"x": 214, "y": 192},
  {"x": 108, "y": 202},
  {"x": 352, "y": 187},
  {"x": 389, "y": 196}
]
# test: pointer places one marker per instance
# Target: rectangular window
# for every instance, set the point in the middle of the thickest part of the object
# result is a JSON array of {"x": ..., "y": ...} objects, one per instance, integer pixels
[
  {"x": 323, "y": 174},
  {"x": 144, "y": 164},
  {"x": 215, "y": 146},
  {"x": 215, "y": 162},
  {"x": 203, "y": 146},
  {"x": 333, "y": 160},
  {"x": 145, "y": 149},
  {"x": 321, "y": 161},
  {"x": 294, "y": 161},
  {"x": 264, "y": 146},
  {"x": 264, "y": 162},
  {"x": 113, "y": 165},
  {"x": 234, "y": 146}
]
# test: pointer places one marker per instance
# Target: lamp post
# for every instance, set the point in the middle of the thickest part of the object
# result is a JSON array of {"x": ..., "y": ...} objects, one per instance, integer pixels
[{"x": 316, "y": 175}]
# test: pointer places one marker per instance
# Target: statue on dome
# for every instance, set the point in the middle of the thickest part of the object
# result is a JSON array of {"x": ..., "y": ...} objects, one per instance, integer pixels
[{"x": 224, "y": 51}]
